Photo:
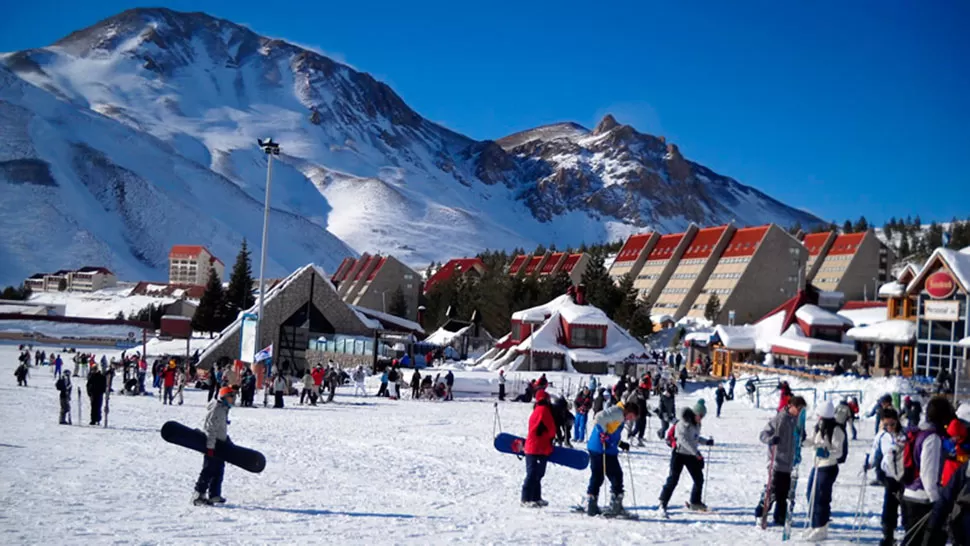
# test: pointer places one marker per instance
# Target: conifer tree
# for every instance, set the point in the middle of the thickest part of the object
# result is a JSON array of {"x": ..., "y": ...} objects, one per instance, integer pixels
[
  {"x": 398, "y": 304},
  {"x": 209, "y": 314},
  {"x": 713, "y": 308},
  {"x": 239, "y": 294}
]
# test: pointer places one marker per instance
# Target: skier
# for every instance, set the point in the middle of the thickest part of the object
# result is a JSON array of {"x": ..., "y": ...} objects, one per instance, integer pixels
[
  {"x": 922, "y": 490},
  {"x": 96, "y": 387},
  {"x": 686, "y": 454},
  {"x": 501, "y": 387},
  {"x": 719, "y": 395},
  {"x": 582, "y": 404},
  {"x": 829, "y": 442},
  {"x": 63, "y": 386},
  {"x": 216, "y": 428},
  {"x": 667, "y": 411},
  {"x": 167, "y": 376},
  {"x": 279, "y": 389},
  {"x": 887, "y": 459},
  {"x": 359, "y": 377},
  {"x": 416, "y": 384},
  {"x": 538, "y": 448},
  {"x": 780, "y": 435},
  {"x": 603, "y": 446}
]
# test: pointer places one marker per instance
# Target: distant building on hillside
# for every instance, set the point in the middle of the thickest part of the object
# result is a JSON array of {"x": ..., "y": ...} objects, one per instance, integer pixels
[
  {"x": 855, "y": 264},
  {"x": 551, "y": 264},
  {"x": 370, "y": 282},
  {"x": 190, "y": 264},
  {"x": 85, "y": 279},
  {"x": 630, "y": 259},
  {"x": 465, "y": 267}
]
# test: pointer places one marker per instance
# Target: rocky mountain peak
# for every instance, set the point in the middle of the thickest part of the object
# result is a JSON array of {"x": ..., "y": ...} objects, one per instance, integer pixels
[{"x": 608, "y": 123}]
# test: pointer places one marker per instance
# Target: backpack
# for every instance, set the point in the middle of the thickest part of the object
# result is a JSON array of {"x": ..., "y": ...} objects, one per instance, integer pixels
[
  {"x": 914, "y": 440},
  {"x": 845, "y": 446},
  {"x": 671, "y": 437}
]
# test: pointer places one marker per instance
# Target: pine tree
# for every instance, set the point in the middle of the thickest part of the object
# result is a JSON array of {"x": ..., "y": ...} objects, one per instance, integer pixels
[
  {"x": 713, "y": 307},
  {"x": 861, "y": 225},
  {"x": 239, "y": 294},
  {"x": 398, "y": 305},
  {"x": 540, "y": 250},
  {"x": 120, "y": 315},
  {"x": 600, "y": 290},
  {"x": 13, "y": 293},
  {"x": 552, "y": 287},
  {"x": 904, "y": 248},
  {"x": 847, "y": 227},
  {"x": 209, "y": 314},
  {"x": 632, "y": 313},
  {"x": 795, "y": 228}
]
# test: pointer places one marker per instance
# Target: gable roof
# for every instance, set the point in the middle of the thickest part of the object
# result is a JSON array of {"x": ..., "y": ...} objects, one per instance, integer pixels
[
  {"x": 633, "y": 247},
  {"x": 745, "y": 241},
  {"x": 456, "y": 265},
  {"x": 847, "y": 243},
  {"x": 815, "y": 242},
  {"x": 702, "y": 246},
  {"x": 665, "y": 247},
  {"x": 957, "y": 262}
]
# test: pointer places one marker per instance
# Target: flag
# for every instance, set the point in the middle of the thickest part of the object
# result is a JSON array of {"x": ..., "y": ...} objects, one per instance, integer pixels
[{"x": 265, "y": 354}]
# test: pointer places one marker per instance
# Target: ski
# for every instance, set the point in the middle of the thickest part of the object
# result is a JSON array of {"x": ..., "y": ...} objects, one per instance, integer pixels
[
  {"x": 789, "y": 517},
  {"x": 766, "y": 499},
  {"x": 80, "y": 418},
  {"x": 107, "y": 397}
]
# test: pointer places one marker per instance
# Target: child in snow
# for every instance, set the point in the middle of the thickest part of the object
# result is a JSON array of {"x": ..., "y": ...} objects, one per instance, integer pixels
[
  {"x": 604, "y": 445},
  {"x": 784, "y": 441},
  {"x": 538, "y": 448},
  {"x": 829, "y": 442},
  {"x": 63, "y": 386},
  {"x": 686, "y": 454},
  {"x": 307, "y": 391},
  {"x": 216, "y": 428}
]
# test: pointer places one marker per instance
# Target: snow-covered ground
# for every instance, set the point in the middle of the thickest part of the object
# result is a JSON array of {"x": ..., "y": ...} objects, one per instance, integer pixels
[
  {"x": 105, "y": 303},
  {"x": 369, "y": 471}
]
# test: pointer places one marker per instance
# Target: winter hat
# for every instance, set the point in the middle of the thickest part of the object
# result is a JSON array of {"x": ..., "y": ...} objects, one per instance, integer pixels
[
  {"x": 963, "y": 412},
  {"x": 827, "y": 411},
  {"x": 226, "y": 391},
  {"x": 700, "y": 408}
]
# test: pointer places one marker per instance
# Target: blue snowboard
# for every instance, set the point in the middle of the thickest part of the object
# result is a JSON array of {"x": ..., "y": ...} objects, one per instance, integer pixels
[{"x": 573, "y": 458}]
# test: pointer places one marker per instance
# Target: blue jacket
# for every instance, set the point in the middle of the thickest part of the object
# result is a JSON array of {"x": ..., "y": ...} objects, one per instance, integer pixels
[{"x": 611, "y": 422}]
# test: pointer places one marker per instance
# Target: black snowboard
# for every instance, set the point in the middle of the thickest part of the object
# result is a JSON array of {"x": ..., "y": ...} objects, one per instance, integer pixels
[{"x": 193, "y": 438}]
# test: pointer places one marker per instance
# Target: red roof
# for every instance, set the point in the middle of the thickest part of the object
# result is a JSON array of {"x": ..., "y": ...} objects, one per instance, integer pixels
[
  {"x": 190, "y": 250},
  {"x": 190, "y": 291},
  {"x": 551, "y": 263},
  {"x": 345, "y": 266},
  {"x": 633, "y": 247},
  {"x": 459, "y": 265},
  {"x": 847, "y": 243},
  {"x": 360, "y": 272},
  {"x": 856, "y": 304},
  {"x": 704, "y": 242},
  {"x": 377, "y": 268},
  {"x": 665, "y": 247},
  {"x": 517, "y": 263},
  {"x": 571, "y": 261},
  {"x": 815, "y": 241},
  {"x": 745, "y": 242},
  {"x": 532, "y": 265}
]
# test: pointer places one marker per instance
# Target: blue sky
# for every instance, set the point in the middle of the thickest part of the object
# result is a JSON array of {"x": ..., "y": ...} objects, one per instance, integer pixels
[{"x": 840, "y": 108}]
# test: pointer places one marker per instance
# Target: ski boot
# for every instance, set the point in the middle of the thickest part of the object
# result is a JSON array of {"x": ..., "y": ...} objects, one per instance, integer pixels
[
  {"x": 541, "y": 503},
  {"x": 817, "y": 534},
  {"x": 697, "y": 507},
  {"x": 616, "y": 509},
  {"x": 591, "y": 508},
  {"x": 217, "y": 499},
  {"x": 640, "y": 442},
  {"x": 198, "y": 499}
]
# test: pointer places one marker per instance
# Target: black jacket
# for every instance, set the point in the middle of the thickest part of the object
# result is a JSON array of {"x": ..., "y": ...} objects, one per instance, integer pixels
[{"x": 97, "y": 384}]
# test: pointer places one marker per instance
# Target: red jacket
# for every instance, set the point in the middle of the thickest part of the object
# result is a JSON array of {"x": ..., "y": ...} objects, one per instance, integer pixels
[
  {"x": 783, "y": 400},
  {"x": 317, "y": 375},
  {"x": 542, "y": 430},
  {"x": 169, "y": 377}
]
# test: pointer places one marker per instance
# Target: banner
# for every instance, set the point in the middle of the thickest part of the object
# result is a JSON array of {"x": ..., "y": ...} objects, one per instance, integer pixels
[
  {"x": 247, "y": 343},
  {"x": 265, "y": 354}
]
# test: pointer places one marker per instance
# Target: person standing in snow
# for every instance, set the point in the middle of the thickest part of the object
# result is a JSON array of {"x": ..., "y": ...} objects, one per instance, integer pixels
[
  {"x": 501, "y": 385},
  {"x": 885, "y": 402},
  {"x": 21, "y": 374},
  {"x": 683, "y": 377},
  {"x": 538, "y": 448},
  {"x": 415, "y": 384},
  {"x": 667, "y": 411},
  {"x": 636, "y": 429},
  {"x": 382, "y": 391},
  {"x": 687, "y": 436},
  {"x": 719, "y": 396},
  {"x": 359, "y": 377},
  {"x": 168, "y": 382},
  {"x": 307, "y": 391},
  {"x": 392, "y": 375},
  {"x": 97, "y": 385},
  {"x": 58, "y": 366},
  {"x": 216, "y": 429},
  {"x": 921, "y": 494},
  {"x": 450, "y": 383},
  {"x": 598, "y": 403},
  {"x": 582, "y": 404},
  {"x": 731, "y": 382},
  {"x": 592, "y": 383},
  {"x": 887, "y": 459},
  {"x": 781, "y": 435},
  {"x": 829, "y": 441},
  {"x": 316, "y": 383},
  {"x": 63, "y": 386},
  {"x": 604, "y": 462},
  {"x": 912, "y": 410},
  {"x": 279, "y": 389},
  {"x": 248, "y": 385}
]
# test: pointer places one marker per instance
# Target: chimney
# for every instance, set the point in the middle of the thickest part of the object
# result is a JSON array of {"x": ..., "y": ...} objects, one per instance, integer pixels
[
  {"x": 571, "y": 292},
  {"x": 581, "y": 294},
  {"x": 421, "y": 310}
]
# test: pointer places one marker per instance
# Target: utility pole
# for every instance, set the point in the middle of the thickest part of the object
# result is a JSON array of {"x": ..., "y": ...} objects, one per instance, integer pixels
[{"x": 270, "y": 148}]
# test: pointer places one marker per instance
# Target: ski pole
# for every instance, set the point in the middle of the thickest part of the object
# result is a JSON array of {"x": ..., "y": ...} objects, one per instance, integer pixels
[
  {"x": 707, "y": 473},
  {"x": 811, "y": 498},
  {"x": 857, "y": 522},
  {"x": 633, "y": 487},
  {"x": 911, "y": 534}
]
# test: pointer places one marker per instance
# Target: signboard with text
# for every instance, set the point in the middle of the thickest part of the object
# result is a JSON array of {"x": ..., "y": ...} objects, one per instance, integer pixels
[
  {"x": 941, "y": 310},
  {"x": 940, "y": 285}
]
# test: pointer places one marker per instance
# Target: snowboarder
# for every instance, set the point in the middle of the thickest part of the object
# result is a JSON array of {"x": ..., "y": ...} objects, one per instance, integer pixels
[
  {"x": 582, "y": 404},
  {"x": 279, "y": 389},
  {"x": 603, "y": 446},
  {"x": 501, "y": 386},
  {"x": 667, "y": 411},
  {"x": 887, "y": 459},
  {"x": 216, "y": 428},
  {"x": 779, "y": 434},
  {"x": 538, "y": 447},
  {"x": 719, "y": 396},
  {"x": 63, "y": 386},
  {"x": 922, "y": 491},
  {"x": 829, "y": 442},
  {"x": 686, "y": 454},
  {"x": 96, "y": 387},
  {"x": 359, "y": 377}
]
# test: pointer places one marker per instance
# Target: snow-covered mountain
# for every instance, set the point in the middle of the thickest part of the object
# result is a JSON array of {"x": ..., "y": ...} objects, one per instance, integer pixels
[{"x": 139, "y": 132}]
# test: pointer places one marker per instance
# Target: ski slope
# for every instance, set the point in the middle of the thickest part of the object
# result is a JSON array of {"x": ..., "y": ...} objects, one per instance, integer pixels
[{"x": 362, "y": 471}]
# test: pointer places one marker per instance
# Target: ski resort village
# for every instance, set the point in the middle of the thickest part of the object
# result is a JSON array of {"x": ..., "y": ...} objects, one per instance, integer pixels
[{"x": 252, "y": 297}]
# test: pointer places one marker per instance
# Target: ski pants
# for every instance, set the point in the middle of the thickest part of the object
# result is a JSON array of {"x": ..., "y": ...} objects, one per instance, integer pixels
[
  {"x": 169, "y": 397},
  {"x": 359, "y": 387},
  {"x": 501, "y": 392},
  {"x": 639, "y": 427},
  {"x": 96, "y": 400},
  {"x": 415, "y": 392},
  {"x": 604, "y": 466},
  {"x": 535, "y": 469},
  {"x": 278, "y": 401},
  {"x": 890, "y": 510},
  {"x": 306, "y": 394},
  {"x": 695, "y": 467},
  {"x": 65, "y": 409},
  {"x": 141, "y": 382},
  {"x": 781, "y": 483},
  {"x": 822, "y": 509},
  {"x": 917, "y": 518},
  {"x": 181, "y": 396},
  {"x": 719, "y": 404},
  {"x": 579, "y": 427},
  {"x": 664, "y": 425},
  {"x": 210, "y": 479},
  {"x": 382, "y": 391}
]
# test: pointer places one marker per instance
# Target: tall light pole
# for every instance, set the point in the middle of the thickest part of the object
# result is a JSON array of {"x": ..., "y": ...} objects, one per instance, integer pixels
[{"x": 270, "y": 148}]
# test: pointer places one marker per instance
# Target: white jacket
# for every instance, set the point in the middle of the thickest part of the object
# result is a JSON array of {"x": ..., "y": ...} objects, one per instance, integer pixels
[
  {"x": 929, "y": 469},
  {"x": 833, "y": 445},
  {"x": 279, "y": 385},
  {"x": 891, "y": 446}
]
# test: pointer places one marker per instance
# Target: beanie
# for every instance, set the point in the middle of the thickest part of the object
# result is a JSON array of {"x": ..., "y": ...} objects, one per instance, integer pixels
[{"x": 700, "y": 408}]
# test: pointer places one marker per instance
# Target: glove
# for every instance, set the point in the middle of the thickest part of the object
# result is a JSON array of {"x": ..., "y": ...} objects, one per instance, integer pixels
[
  {"x": 775, "y": 440},
  {"x": 210, "y": 453},
  {"x": 604, "y": 438},
  {"x": 710, "y": 441},
  {"x": 624, "y": 446}
]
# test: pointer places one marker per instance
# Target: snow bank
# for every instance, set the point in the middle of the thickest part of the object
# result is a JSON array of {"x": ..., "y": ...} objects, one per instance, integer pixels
[{"x": 888, "y": 331}]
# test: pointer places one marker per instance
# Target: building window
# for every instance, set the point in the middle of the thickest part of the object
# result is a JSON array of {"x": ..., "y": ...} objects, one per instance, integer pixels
[{"x": 587, "y": 337}]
